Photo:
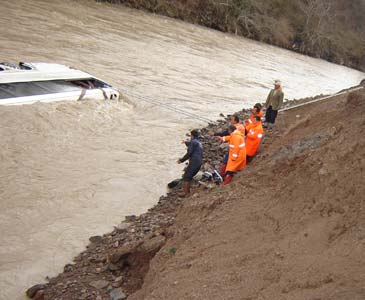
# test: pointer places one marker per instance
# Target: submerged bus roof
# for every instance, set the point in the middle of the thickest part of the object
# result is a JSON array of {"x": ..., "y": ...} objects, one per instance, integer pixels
[{"x": 30, "y": 72}]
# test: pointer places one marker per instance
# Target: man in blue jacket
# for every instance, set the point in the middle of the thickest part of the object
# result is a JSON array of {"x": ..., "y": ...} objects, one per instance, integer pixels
[{"x": 195, "y": 156}]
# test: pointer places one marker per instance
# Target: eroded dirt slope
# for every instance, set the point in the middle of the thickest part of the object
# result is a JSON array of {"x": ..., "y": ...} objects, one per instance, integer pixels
[{"x": 291, "y": 226}]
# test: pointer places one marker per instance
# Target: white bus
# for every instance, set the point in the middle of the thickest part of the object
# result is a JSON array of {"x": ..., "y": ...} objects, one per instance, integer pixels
[{"x": 26, "y": 83}]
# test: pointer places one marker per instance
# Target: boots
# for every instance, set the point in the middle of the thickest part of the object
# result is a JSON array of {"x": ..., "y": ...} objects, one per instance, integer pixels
[
  {"x": 222, "y": 170},
  {"x": 186, "y": 190},
  {"x": 227, "y": 179}
]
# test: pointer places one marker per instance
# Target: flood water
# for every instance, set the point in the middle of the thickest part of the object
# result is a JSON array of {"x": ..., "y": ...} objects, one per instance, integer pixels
[{"x": 72, "y": 170}]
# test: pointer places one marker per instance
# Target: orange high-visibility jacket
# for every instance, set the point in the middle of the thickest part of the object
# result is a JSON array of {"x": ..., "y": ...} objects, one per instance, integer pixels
[
  {"x": 237, "y": 151},
  {"x": 249, "y": 122},
  {"x": 253, "y": 139}
]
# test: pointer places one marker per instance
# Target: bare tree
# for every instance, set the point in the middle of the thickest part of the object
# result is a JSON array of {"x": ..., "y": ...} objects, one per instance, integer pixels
[
  {"x": 243, "y": 16},
  {"x": 317, "y": 19}
]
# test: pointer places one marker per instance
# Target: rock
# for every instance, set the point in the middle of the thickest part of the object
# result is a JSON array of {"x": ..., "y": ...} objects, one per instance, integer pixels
[
  {"x": 31, "y": 292},
  {"x": 116, "y": 284},
  {"x": 82, "y": 297},
  {"x": 120, "y": 278},
  {"x": 95, "y": 239},
  {"x": 223, "y": 146},
  {"x": 103, "y": 268},
  {"x": 124, "y": 251},
  {"x": 153, "y": 245},
  {"x": 39, "y": 295},
  {"x": 323, "y": 171},
  {"x": 99, "y": 284},
  {"x": 174, "y": 183},
  {"x": 119, "y": 255},
  {"x": 117, "y": 294},
  {"x": 113, "y": 267},
  {"x": 146, "y": 229},
  {"x": 122, "y": 227},
  {"x": 130, "y": 218},
  {"x": 336, "y": 129},
  {"x": 68, "y": 268},
  {"x": 96, "y": 259}
]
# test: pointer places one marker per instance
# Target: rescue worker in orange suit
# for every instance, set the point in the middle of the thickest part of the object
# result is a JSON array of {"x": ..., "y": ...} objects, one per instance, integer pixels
[
  {"x": 195, "y": 156},
  {"x": 237, "y": 153},
  {"x": 235, "y": 120},
  {"x": 256, "y": 112},
  {"x": 254, "y": 136}
]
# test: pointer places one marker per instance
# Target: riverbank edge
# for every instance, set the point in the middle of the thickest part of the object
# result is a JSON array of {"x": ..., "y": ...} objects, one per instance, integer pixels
[{"x": 114, "y": 265}]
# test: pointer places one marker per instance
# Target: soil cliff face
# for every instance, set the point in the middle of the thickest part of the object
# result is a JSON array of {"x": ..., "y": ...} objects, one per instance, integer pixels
[
  {"x": 332, "y": 30},
  {"x": 291, "y": 226}
]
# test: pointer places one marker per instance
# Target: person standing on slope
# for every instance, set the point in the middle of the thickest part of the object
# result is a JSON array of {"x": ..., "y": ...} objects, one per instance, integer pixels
[
  {"x": 195, "y": 156},
  {"x": 237, "y": 153},
  {"x": 253, "y": 138},
  {"x": 273, "y": 103},
  {"x": 256, "y": 112},
  {"x": 235, "y": 121}
]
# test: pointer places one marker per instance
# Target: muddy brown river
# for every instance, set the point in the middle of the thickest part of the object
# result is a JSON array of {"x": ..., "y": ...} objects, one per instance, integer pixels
[{"x": 72, "y": 170}]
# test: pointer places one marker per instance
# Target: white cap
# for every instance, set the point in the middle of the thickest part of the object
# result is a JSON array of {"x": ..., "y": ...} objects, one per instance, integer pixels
[{"x": 277, "y": 82}]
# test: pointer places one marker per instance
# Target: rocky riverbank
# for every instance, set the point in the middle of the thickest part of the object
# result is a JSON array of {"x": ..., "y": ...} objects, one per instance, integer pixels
[
  {"x": 113, "y": 265},
  {"x": 136, "y": 255}
]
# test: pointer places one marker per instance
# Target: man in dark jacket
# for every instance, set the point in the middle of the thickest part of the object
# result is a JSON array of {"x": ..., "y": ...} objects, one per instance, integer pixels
[
  {"x": 195, "y": 156},
  {"x": 273, "y": 103}
]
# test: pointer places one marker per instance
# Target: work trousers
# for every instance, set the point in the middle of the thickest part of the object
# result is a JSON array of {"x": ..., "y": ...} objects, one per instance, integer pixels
[
  {"x": 192, "y": 169},
  {"x": 270, "y": 115}
]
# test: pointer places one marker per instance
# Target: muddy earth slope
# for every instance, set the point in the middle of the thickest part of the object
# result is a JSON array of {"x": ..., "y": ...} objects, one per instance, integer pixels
[{"x": 290, "y": 226}]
